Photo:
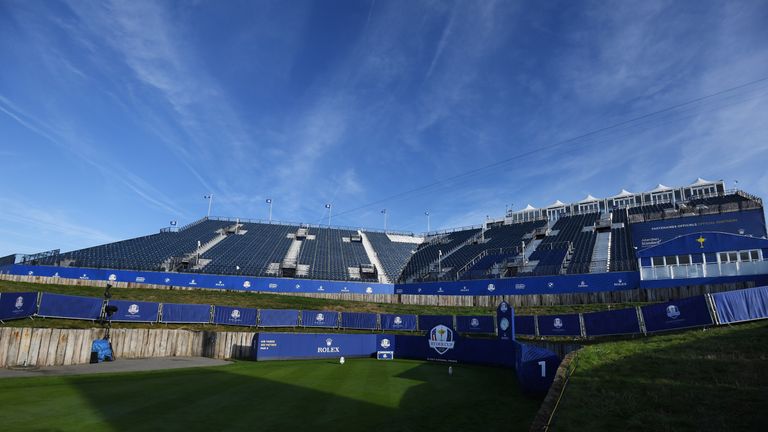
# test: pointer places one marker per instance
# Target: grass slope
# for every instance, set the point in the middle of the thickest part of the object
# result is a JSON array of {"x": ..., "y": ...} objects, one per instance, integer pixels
[
  {"x": 363, "y": 394},
  {"x": 700, "y": 380}
]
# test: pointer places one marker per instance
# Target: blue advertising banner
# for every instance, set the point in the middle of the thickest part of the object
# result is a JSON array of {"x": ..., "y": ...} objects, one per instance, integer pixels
[
  {"x": 737, "y": 306},
  {"x": 229, "y": 315},
  {"x": 442, "y": 344},
  {"x": 66, "y": 306},
  {"x": 677, "y": 314},
  {"x": 16, "y": 305},
  {"x": 197, "y": 280},
  {"x": 398, "y": 322},
  {"x": 504, "y": 321},
  {"x": 283, "y": 346},
  {"x": 475, "y": 324},
  {"x": 278, "y": 318},
  {"x": 525, "y": 325},
  {"x": 576, "y": 283},
  {"x": 616, "y": 322},
  {"x": 134, "y": 311},
  {"x": 426, "y": 322},
  {"x": 535, "y": 368},
  {"x": 310, "y": 318},
  {"x": 559, "y": 325},
  {"x": 385, "y": 342},
  {"x": 358, "y": 320},
  {"x": 702, "y": 243},
  {"x": 186, "y": 313},
  {"x": 652, "y": 233}
]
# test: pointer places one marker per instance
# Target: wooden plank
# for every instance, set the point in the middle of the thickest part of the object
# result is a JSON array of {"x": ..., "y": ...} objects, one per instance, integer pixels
[
  {"x": 61, "y": 348},
  {"x": 5, "y": 338},
  {"x": 71, "y": 340},
  {"x": 53, "y": 347},
  {"x": 14, "y": 341},
  {"x": 85, "y": 348},
  {"x": 34, "y": 346},
  {"x": 45, "y": 341},
  {"x": 24, "y": 341}
]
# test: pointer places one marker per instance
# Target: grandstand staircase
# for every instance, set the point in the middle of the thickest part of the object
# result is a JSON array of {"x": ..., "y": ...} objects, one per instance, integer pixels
[
  {"x": 601, "y": 253},
  {"x": 434, "y": 264},
  {"x": 373, "y": 258},
  {"x": 192, "y": 260},
  {"x": 289, "y": 265}
]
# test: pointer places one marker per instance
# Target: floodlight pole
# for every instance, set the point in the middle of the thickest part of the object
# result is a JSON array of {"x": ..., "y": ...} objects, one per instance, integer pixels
[
  {"x": 330, "y": 208},
  {"x": 270, "y": 210},
  {"x": 428, "y": 227},
  {"x": 385, "y": 219},
  {"x": 210, "y": 202}
]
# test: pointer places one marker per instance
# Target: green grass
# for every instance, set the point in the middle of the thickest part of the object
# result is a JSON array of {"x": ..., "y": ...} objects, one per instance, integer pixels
[
  {"x": 362, "y": 395},
  {"x": 699, "y": 380}
]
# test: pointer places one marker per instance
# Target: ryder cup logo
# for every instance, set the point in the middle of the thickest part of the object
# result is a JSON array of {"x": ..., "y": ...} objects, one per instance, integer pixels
[
  {"x": 247, "y": 284},
  {"x": 235, "y": 314},
  {"x": 319, "y": 318},
  {"x": 385, "y": 343},
  {"x": 329, "y": 342},
  {"x": 133, "y": 309},
  {"x": 491, "y": 287},
  {"x": 504, "y": 324},
  {"x": 558, "y": 323},
  {"x": 441, "y": 339},
  {"x": 474, "y": 322},
  {"x": 503, "y": 307},
  {"x": 112, "y": 277},
  {"x": 19, "y": 302},
  {"x": 398, "y": 321},
  {"x": 673, "y": 312},
  {"x": 369, "y": 290}
]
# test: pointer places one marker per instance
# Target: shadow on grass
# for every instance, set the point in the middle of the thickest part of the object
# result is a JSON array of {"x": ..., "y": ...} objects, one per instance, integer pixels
[
  {"x": 363, "y": 394},
  {"x": 700, "y": 380}
]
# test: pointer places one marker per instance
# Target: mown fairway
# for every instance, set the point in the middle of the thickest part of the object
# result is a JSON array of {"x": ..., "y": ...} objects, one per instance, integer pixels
[{"x": 361, "y": 395}]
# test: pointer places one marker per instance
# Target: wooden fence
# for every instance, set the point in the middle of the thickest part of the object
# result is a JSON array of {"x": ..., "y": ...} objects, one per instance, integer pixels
[{"x": 55, "y": 347}]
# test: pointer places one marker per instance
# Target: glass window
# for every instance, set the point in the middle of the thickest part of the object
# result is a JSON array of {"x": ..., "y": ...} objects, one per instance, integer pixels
[
  {"x": 671, "y": 260},
  {"x": 733, "y": 256},
  {"x": 723, "y": 256},
  {"x": 684, "y": 259},
  {"x": 754, "y": 255},
  {"x": 658, "y": 261},
  {"x": 744, "y": 255}
]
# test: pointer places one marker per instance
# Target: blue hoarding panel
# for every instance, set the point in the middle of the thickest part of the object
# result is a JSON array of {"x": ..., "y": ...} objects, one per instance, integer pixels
[
  {"x": 535, "y": 368},
  {"x": 742, "y": 305},
  {"x": 186, "y": 313},
  {"x": 622, "y": 321},
  {"x": 66, "y": 306},
  {"x": 559, "y": 325},
  {"x": 677, "y": 314},
  {"x": 358, "y": 320},
  {"x": 17, "y": 305},
  {"x": 398, "y": 322},
  {"x": 229, "y": 315},
  {"x": 135, "y": 311},
  {"x": 427, "y": 322},
  {"x": 505, "y": 321},
  {"x": 475, "y": 324},
  {"x": 282, "y": 346},
  {"x": 278, "y": 318},
  {"x": 310, "y": 318},
  {"x": 525, "y": 325},
  {"x": 652, "y": 233},
  {"x": 452, "y": 348}
]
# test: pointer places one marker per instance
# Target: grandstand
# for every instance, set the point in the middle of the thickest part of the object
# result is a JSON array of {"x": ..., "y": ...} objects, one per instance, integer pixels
[{"x": 589, "y": 236}]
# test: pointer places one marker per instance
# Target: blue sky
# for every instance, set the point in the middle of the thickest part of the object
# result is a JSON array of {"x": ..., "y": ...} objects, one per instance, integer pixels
[{"x": 118, "y": 116}]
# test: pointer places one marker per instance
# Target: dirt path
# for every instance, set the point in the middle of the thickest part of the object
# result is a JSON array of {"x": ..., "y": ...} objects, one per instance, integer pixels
[{"x": 127, "y": 365}]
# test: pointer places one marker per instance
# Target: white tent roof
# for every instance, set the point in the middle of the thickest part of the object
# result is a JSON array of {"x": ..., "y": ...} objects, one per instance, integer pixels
[
  {"x": 624, "y": 193},
  {"x": 660, "y": 188},
  {"x": 588, "y": 199},
  {"x": 557, "y": 203},
  {"x": 529, "y": 207},
  {"x": 700, "y": 182}
]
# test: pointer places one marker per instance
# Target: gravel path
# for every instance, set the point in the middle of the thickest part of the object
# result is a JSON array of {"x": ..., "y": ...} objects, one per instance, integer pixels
[{"x": 127, "y": 365}]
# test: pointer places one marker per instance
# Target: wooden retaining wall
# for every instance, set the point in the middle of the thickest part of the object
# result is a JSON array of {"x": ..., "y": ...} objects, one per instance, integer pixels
[
  {"x": 625, "y": 296},
  {"x": 55, "y": 347}
]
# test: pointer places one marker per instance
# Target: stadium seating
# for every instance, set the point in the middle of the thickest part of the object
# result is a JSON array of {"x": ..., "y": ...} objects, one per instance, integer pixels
[
  {"x": 428, "y": 252},
  {"x": 392, "y": 255},
  {"x": 252, "y": 252}
]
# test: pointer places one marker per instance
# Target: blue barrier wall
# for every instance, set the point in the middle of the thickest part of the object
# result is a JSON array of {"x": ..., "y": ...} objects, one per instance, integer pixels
[
  {"x": 742, "y": 305},
  {"x": 278, "y": 318},
  {"x": 359, "y": 320},
  {"x": 398, "y": 322},
  {"x": 134, "y": 311},
  {"x": 229, "y": 315},
  {"x": 284, "y": 346},
  {"x": 559, "y": 325},
  {"x": 186, "y": 313},
  {"x": 66, "y": 306},
  {"x": 475, "y": 324},
  {"x": 675, "y": 315},
  {"x": 426, "y": 322},
  {"x": 615, "y": 322},
  {"x": 535, "y": 368},
  {"x": 525, "y": 325},
  {"x": 314, "y": 318},
  {"x": 17, "y": 305}
]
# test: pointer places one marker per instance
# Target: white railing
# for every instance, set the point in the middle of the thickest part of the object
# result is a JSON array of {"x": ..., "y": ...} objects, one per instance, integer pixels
[{"x": 690, "y": 271}]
